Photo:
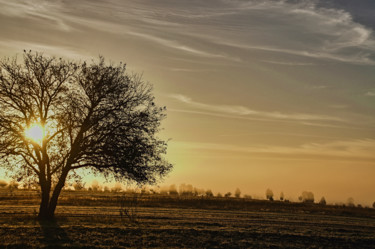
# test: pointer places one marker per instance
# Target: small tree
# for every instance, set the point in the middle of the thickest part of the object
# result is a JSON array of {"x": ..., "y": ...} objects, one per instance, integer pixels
[
  {"x": 269, "y": 194},
  {"x": 373, "y": 204},
  {"x": 58, "y": 116},
  {"x": 95, "y": 186},
  {"x": 281, "y": 196},
  {"x": 173, "y": 190},
  {"x": 350, "y": 202},
  {"x": 322, "y": 201},
  {"x": 209, "y": 193},
  {"x": 237, "y": 193},
  {"x": 228, "y": 194},
  {"x": 307, "y": 197},
  {"x": 78, "y": 186},
  {"x": 117, "y": 188}
]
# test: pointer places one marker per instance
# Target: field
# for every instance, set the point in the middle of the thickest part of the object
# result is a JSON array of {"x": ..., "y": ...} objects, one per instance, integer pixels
[{"x": 94, "y": 220}]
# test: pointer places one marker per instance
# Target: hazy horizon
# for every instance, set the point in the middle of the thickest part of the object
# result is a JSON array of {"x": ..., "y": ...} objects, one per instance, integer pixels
[{"x": 259, "y": 93}]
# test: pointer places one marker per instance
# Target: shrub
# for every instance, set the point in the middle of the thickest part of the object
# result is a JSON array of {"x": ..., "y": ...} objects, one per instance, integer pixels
[
  {"x": 281, "y": 196},
  {"x": 228, "y": 194}
]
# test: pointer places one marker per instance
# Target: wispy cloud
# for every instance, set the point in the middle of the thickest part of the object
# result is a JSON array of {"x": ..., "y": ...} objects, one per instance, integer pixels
[
  {"x": 44, "y": 11},
  {"x": 351, "y": 150},
  {"x": 245, "y": 111}
]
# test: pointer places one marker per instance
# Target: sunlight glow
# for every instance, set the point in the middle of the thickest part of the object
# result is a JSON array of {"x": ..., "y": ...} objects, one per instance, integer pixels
[{"x": 35, "y": 132}]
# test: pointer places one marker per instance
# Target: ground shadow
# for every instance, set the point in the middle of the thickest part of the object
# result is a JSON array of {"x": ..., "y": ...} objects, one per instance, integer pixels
[{"x": 53, "y": 235}]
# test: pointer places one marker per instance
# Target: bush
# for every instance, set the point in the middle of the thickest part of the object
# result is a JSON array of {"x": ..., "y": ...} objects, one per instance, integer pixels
[
  {"x": 281, "y": 196},
  {"x": 228, "y": 194}
]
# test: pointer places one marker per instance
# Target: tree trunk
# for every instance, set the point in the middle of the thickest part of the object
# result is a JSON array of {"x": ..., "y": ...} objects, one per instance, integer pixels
[
  {"x": 47, "y": 208},
  {"x": 45, "y": 188}
]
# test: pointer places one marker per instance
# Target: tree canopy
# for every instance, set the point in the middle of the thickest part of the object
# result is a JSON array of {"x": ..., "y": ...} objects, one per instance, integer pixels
[{"x": 57, "y": 116}]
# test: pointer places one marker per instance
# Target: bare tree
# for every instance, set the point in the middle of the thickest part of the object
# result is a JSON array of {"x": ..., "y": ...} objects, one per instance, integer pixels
[{"x": 58, "y": 116}]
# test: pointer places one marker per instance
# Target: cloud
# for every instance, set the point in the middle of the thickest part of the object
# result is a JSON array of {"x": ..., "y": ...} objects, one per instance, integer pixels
[
  {"x": 245, "y": 111},
  {"x": 352, "y": 150},
  {"x": 47, "y": 12},
  {"x": 304, "y": 30}
]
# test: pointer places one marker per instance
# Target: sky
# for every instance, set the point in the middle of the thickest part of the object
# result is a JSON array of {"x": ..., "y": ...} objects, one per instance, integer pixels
[{"x": 259, "y": 93}]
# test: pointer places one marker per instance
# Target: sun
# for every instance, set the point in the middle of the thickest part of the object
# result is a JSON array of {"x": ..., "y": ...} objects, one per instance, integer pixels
[{"x": 35, "y": 132}]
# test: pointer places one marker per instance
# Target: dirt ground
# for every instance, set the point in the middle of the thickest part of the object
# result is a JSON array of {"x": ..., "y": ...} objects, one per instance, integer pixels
[{"x": 103, "y": 227}]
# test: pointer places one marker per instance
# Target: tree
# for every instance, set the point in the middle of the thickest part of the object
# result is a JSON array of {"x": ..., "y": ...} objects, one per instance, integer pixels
[
  {"x": 373, "y": 204},
  {"x": 209, "y": 193},
  {"x": 269, "y": 194},
  {"x": 282, "y": 196},
  {"x": 323, "y": 201},
  {"x": 237, "y": 193},
  {"x": 58, "y": 116},
  {"x": 307, "y": 197},
  {"x": 350, "y": 202}
]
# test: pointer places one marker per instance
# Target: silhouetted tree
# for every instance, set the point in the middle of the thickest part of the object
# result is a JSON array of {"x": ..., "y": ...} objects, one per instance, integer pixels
[
  {"x": 92, "y": 116},
  {"x": 209, "y": 193},
  {"x": 228, "y": 194},
  {"x": 78, "y": 186},
  {"x": 350, "y": 202},
  {"x": 307, "y": 197},
  {"x": 373, "y": 204},
  {"x": 95, "y": 186},
  {"x": 237, "y": 193},
  {"x": 322, "y": 201},
  {"x": 269, "y": 194},
  {"x": 281, "y": 196},
  {"x": 173, "y": 190}
]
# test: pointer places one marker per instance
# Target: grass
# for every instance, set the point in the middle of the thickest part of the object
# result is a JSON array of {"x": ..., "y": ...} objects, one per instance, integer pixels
[{"x": 93, "y": 220}]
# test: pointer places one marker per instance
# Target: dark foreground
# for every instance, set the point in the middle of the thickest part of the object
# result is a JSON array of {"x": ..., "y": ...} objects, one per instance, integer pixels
[{"x": 103, "y": 227}]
